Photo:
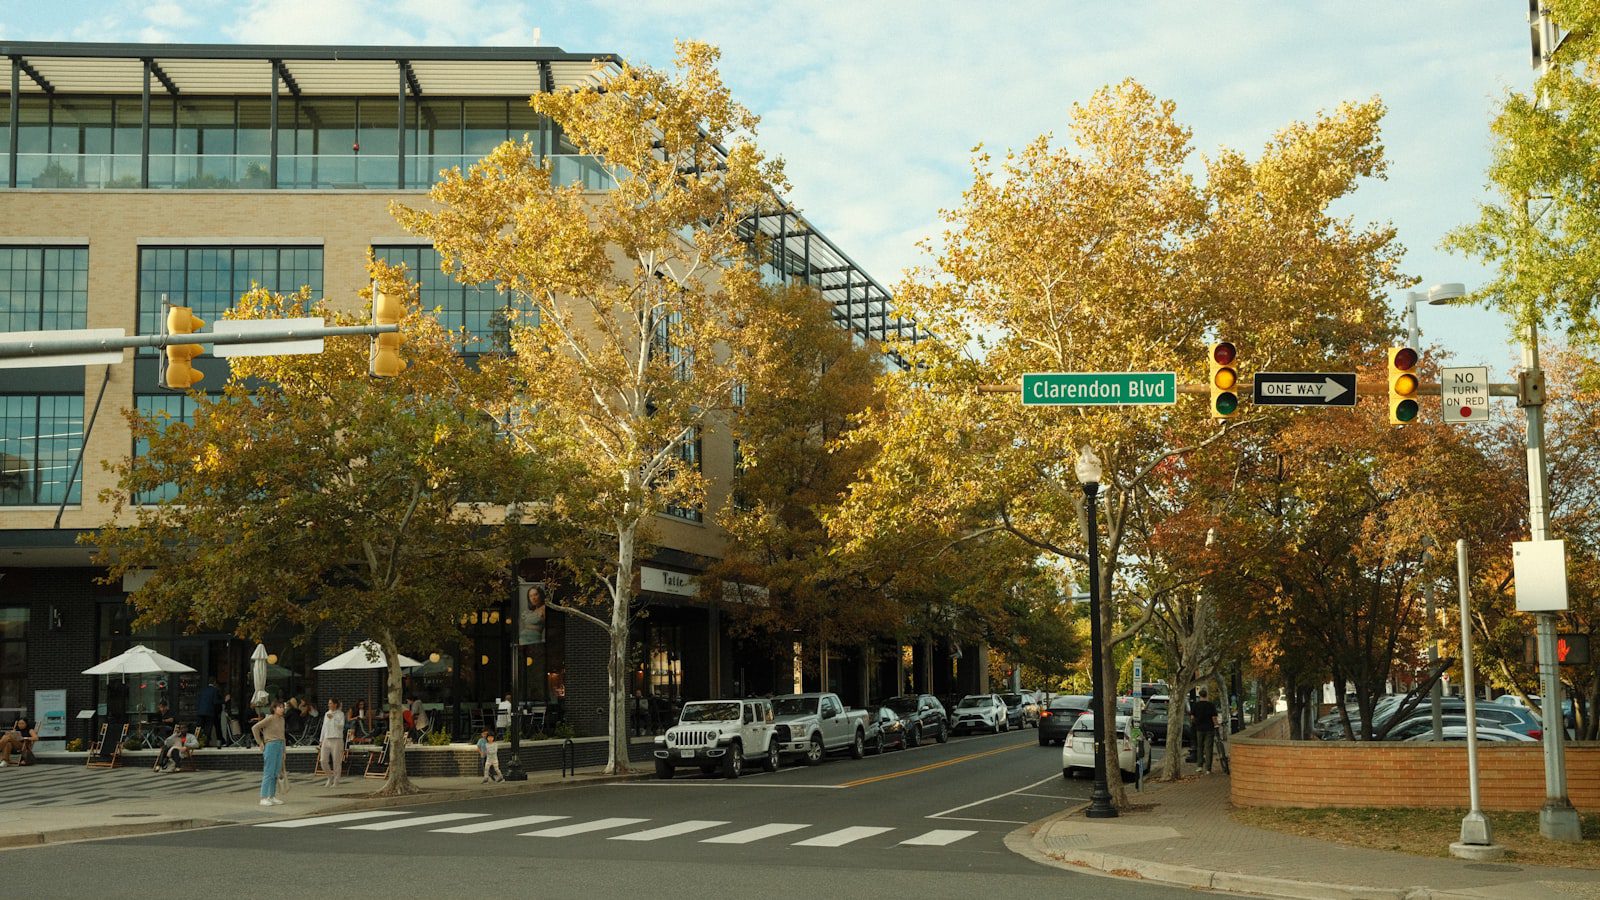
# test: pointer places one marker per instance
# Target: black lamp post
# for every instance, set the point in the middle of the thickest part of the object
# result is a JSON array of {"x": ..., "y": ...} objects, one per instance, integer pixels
[
  {"x": 514, "y": 765},
  {"x": 1100, "y": 805}
]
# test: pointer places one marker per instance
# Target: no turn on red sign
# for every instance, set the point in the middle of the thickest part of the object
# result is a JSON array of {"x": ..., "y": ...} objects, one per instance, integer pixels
[{"x": 1464, "y": 394}]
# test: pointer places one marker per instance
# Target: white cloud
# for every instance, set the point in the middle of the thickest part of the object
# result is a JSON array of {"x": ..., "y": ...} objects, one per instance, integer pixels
[
  {"x": 168, "y": 14},
  {"x": 317, "y": 22}
]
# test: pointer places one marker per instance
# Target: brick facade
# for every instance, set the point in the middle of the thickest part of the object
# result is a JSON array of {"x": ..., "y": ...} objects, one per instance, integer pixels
[
  {"x": 57, "y": 658},
  {"x": 1270, "y": 770}
]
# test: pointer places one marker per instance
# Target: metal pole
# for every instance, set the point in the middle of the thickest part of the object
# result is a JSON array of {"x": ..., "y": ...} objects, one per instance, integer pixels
[
  {"x": 1436, "y": 694},
  {"x": 1100, "y": 805},
  {"x": 1474, "y": 827},
  {"x": 514, "y": 765}
]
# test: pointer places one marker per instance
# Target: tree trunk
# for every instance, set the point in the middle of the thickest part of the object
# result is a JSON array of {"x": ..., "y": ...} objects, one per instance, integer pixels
[
  {"x": 1177, "y": 713},
  {"x": 396, "y": 783},
  {"x": 617, "y": 756}
]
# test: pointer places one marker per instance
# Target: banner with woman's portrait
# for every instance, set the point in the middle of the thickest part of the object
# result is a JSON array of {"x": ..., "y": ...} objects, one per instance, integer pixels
[{"x": 531, "y": 599}]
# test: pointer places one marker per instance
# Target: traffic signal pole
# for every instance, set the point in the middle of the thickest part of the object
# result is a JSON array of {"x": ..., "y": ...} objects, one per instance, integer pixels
[{"x": 43, "y": 348}]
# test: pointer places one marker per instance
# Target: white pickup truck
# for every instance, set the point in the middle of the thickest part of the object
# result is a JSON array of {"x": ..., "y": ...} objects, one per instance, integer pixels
[{"x": 812, "y": 725}]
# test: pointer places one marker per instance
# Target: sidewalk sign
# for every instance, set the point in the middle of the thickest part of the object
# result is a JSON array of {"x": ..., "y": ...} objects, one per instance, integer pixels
[{"x": 50, "y": 717}]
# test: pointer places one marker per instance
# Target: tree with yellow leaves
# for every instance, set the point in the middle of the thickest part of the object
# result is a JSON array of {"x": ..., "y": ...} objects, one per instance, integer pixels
[
  {"x": 1106, "y": 255},
  {"x": 637, "y": 296}
]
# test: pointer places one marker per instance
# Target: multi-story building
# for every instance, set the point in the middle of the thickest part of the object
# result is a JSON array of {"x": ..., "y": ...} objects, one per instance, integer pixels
[{"x": 133, "y": 172}]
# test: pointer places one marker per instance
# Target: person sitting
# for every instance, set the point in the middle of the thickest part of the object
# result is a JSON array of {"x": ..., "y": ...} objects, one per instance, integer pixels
[
  {"x": 177, "y": 748},
  {"x": 163, "y": 719},
  {"x": 19, "y": 739}
]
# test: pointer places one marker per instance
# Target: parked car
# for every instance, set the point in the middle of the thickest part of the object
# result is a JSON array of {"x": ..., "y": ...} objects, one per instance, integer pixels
[
  {"x": 1490, "y": 715},
  {"x": 980, "y": 711},
  {"x": 1453, "y": 733},
  {"x": 1153, "y": 721},
  {"x": 923, "y": 715},
  {"x": 885, "y": 730},
  {"x": 1021, "y": 711},
  {"x": 812, "y": 725},
  {"x": 713, "y": 734},
  {"x": 1056, "y": 719},
  {"x": 1077, "y": 752}
]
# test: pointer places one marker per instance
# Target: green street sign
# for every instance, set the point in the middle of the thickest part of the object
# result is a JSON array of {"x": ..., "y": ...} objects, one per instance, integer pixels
[{"x": 1099, "y": 388}]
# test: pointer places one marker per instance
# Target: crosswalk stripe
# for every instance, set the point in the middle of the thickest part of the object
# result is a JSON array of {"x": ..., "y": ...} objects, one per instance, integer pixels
[
  {"x": 328, "y": 820},
  {"x": 496, "y": 824},
  {"x": 939, "y": 837},
  {"x": 750, "y": 835},
  {"x": 412, "y": 823},
  {"x": 582, "y": 827},
  {"x": 842, "y": 836},
  {"x": 666, "y": 831}
]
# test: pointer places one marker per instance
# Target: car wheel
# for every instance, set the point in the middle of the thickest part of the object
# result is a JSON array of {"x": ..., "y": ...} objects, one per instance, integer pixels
[
  {"x": 858, "y": 747},
  {"x": 944, "y": 734},
  {"x": 771, "y": 762},
  {"x": 877, "y": 744},
  {"x": 914, "y": 737},
  {"x": 1066, "y": 773},
  {"x": 663, "y": 770},
  {"x": 814, "y": 753},
  {"x": 733, "y": 762}
]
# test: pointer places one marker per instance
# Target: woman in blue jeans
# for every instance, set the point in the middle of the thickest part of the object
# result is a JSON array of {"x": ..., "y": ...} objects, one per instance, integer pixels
[{"x": 269, "y": 737}]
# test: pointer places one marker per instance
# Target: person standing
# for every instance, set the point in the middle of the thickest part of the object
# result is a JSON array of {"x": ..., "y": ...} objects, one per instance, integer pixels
[
  {"x": 502, "y": 716},
  {"x": 1203, "y": 713},
  {"x": 330, "y": 754},
  {"x": 268, "y": 733},
  {"x": 208, "y": 708},
  {"x": 489, "y": 754}
]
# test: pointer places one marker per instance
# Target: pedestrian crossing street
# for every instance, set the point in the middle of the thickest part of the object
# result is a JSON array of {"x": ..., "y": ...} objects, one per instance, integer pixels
[{"x": 619, "y": 828}]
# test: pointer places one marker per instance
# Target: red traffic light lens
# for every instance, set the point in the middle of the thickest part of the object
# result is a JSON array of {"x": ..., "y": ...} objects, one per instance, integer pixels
[
  {"x": 1405, "y": 358},
  {"x": 1223, "y": 353}
]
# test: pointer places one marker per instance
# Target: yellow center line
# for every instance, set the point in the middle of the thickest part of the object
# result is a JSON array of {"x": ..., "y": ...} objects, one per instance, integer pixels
[{"x": 929, "y": 768}]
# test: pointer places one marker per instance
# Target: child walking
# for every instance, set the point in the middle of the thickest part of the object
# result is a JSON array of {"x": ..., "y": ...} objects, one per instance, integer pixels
[{"x": 490, "y": 755}]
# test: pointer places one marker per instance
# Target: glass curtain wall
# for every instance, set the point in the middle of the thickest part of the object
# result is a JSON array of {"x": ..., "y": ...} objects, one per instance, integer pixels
[{"x": 210, "y": 279}]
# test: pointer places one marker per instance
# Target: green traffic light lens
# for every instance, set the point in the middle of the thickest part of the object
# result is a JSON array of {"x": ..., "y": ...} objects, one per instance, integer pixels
[
  {"x": 1405, "y": 410},
  {"x": 1227, "y": 404}
]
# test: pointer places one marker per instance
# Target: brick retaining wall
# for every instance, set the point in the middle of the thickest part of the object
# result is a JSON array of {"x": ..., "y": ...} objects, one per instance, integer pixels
[{"x": 1269, "y": 770}]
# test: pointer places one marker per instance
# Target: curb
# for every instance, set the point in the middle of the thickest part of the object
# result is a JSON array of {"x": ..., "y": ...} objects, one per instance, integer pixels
[
  {"x": 1025, "y": 842},
  {"x": 136, "y": 829}
]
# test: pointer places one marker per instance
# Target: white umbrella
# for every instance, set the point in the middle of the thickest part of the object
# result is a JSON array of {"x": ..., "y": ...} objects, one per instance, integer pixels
[
  {"x": 137, "y": 661},
  {"x": 258, "y": 674},
  {"x": 365, "y": 655}
]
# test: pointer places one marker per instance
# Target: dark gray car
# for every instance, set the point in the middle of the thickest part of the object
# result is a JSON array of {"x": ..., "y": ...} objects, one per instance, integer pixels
[{"x": 1056, "y": 719}]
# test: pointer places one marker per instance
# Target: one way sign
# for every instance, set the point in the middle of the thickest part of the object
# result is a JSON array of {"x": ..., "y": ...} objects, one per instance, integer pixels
[{"x": 1305, "y": 389}]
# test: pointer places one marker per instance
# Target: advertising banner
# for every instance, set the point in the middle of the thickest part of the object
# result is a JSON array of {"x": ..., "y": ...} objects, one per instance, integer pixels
[
  {"x": 50, "y": 716},
  {"x": 531, "y": 612}
]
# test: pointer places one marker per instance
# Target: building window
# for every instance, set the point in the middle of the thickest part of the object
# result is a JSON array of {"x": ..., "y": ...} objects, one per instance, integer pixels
[
  {"x": 43, "y": 288},
  {"x": 210, "y": 279},
  {"x": 689, "y": 452},
  {"x": 14, "y": 658},
  {"x": 162, "y": 410},
  {"x": 40, "y": 440},
  {"x": 476, "y": 314}
]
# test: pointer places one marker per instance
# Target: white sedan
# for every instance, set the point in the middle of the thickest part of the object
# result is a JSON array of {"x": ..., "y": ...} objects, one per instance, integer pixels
[{"x": 1077, "y": 751}]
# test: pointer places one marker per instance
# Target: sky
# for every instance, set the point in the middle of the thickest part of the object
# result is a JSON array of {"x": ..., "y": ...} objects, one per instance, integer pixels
[{"x": 877, "y": 106}]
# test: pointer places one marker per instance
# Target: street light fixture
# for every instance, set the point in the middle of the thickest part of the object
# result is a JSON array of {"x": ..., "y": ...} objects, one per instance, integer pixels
[
  {"x": 1100, "y": 806},
  {"x": 1438, "y": 295}
]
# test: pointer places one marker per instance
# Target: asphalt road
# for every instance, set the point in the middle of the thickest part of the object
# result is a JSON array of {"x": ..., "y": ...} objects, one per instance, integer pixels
[{"x": 929, "y": 821}]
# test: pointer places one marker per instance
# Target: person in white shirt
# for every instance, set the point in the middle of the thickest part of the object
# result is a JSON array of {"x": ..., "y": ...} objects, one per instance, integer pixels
[
  {"x": 180, "y": 745},
  {"x": 502, "y": 715},
  {"x": 330, "y": 755}
]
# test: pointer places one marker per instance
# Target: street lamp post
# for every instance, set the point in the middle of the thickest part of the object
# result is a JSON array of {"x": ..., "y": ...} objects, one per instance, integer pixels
[{"x": 1100, "y": 805}]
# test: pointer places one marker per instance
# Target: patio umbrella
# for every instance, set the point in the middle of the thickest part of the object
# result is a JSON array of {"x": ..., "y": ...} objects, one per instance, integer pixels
[
  {"x": 365, "y": 655},
  {"x": 258, "y": 675},
  {"x": 136, "y": 661}
]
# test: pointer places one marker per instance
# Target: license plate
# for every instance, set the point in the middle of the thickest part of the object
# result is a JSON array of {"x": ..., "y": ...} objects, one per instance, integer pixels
[{"x": 686, "y": 754}]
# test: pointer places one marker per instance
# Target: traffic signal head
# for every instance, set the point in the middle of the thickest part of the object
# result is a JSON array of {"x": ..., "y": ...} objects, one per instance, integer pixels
[
  {"x": 1403, "y": 385},
  {"x": 1224, "y": 380},
  {"x": 181, "y": 373},
  {"x": 384, "y": 358}
]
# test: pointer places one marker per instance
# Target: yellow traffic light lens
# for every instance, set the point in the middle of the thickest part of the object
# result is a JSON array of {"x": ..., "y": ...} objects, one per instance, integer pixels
[
  {"x": 1405, "y": 385},
  {"x": 1225, "y": 379}
]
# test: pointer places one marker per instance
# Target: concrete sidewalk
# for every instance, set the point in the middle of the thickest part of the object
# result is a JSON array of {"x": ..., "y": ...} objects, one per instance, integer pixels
[
  {"x": 126, "y": 802},
  {"x": 1189, "y": 839}
]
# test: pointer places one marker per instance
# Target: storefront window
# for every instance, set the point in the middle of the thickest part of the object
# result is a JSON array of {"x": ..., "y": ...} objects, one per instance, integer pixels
[{"x": 13, "y": 657}]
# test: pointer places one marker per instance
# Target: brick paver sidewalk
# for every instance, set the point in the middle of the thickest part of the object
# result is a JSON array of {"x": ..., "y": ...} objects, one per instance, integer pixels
[{"x": 1189, "y": 828}]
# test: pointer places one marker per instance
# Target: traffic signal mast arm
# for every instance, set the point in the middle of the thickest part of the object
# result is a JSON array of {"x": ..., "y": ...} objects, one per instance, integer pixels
[
  {"x": 1364, "y": 388},
  {"x": 61, "y": 346}
]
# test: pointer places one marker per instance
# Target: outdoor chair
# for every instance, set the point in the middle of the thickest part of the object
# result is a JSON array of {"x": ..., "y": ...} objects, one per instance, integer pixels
[{"x": 106, "y": 751}]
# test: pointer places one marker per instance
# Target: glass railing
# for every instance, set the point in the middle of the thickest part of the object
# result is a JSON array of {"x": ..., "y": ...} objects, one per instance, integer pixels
[{"x": 252, "y": 171}]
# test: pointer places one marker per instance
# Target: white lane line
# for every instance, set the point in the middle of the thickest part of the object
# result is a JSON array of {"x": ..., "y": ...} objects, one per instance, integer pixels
[
  {"x": 750, "y": 835},
  {"x": 328, "y": 820},
  {"x": 992, "y": 821},
  {"x": 666, "y": 831},
  {"x": 496, "y": 824},
  {"x": 582, "y": 827},
  {"x": 842, "y": 836},
  {"x": 411, "y": 823},
  {"x": 723, "y": 785},
  {"x": 1061, "y": 797},
  {"x": 939, "y": 837},
  {"x": 940, "y": 815}
]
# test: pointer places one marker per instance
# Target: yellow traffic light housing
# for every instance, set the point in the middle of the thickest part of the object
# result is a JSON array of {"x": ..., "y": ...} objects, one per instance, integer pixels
[
  {"x": 181, "y": 373},
  {"x": 384, "y": 360},
  {"x": 1224, "y": 380},
  {"x": 1403, "y": 384}
]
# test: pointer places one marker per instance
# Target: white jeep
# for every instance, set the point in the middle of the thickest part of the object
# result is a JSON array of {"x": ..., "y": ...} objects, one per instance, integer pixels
[{"x": 719, "y": 734}]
